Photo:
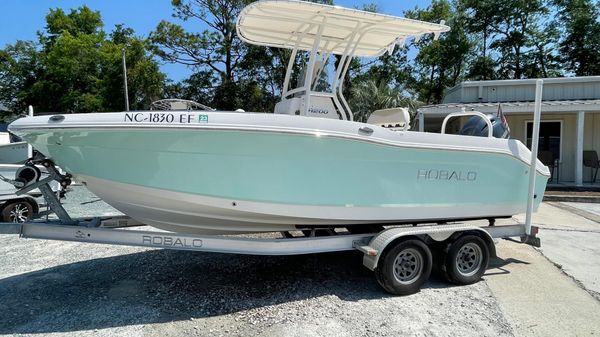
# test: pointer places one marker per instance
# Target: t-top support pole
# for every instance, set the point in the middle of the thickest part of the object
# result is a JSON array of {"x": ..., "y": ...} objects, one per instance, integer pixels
[{"x": 537, "y": 111}]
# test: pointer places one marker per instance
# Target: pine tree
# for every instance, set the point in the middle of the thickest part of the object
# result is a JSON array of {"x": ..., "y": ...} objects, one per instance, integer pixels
[{"x": 580, "y": 45}]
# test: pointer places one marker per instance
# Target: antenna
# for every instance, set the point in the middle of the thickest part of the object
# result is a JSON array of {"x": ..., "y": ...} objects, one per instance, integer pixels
[{"x": 125, "y": 80}]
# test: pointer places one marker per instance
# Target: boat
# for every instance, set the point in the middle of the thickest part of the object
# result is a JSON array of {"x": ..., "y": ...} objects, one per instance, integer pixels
[
  {"x": 12, "y": 149},
  {"x": 308, "y": 165}
]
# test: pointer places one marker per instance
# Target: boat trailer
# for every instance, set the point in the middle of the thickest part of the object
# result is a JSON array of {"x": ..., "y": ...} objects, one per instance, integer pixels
[{"x": 401, "y": 257}]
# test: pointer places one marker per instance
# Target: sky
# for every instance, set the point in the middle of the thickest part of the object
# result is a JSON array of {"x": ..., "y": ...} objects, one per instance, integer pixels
[{"x": 21, "y": 19}]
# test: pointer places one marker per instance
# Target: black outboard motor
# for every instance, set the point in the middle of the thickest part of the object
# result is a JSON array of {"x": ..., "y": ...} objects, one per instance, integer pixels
[{"x": 476, "y": 126}]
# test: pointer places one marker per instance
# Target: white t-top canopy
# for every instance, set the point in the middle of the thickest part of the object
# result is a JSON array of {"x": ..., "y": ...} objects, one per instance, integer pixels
[{"x": 298, "y": 24}]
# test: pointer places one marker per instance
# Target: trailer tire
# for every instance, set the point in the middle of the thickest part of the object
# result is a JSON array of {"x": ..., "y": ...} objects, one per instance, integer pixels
[
  {"x": 404, "y": 267},
  {"x": 466, "y": 260},
  {"x": 17, "y": 211}
]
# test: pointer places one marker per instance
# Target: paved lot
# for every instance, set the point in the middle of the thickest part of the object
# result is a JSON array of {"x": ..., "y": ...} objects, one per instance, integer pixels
[
  {"x": 572, "y": 241},
  {"x": 72, "y": 289},
  {"x": 537, "y": 298},
  {"x": 587, "y": 207}
]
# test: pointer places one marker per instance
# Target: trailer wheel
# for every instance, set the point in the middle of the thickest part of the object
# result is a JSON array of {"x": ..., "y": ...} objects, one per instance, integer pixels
[
  {"x": 404, "y": 267},
  {"x": 466, "y": 260},
  {"x": 18, "y": 212}
]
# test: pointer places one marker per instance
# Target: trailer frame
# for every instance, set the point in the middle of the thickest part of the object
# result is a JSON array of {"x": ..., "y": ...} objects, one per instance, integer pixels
[{"x": 113, "y": 230}]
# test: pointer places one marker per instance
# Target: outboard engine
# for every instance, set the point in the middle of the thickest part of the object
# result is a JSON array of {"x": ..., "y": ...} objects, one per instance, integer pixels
[{"x": 476, "y": 126}]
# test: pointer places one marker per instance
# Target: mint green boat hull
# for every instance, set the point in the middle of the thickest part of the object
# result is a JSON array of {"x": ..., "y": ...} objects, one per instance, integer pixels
[{"x": 279, "y": 169}]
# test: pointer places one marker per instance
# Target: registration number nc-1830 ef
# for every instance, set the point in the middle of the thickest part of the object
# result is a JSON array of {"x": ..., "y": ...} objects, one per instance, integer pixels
[{"x": 161, "y": 117}]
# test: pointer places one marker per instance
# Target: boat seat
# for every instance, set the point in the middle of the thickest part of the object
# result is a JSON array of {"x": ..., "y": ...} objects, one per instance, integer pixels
[{"x": 396, "y": 119}]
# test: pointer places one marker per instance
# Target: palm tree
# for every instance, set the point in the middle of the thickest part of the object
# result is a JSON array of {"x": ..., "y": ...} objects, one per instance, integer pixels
[{"x": 369, "y": 95}]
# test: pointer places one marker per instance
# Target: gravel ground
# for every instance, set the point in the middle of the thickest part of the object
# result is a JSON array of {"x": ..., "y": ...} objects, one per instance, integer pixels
[{"x": 64, "y": 288}]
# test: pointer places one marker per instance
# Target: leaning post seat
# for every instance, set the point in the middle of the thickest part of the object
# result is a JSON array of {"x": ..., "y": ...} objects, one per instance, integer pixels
[{"x": 396, "y": 119}]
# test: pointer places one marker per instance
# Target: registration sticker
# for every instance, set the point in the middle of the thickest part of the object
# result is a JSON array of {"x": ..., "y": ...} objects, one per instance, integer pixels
[{"x": 202, "y": 118}]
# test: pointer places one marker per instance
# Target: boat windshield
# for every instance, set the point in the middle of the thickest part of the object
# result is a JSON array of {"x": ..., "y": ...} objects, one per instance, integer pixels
[
  {"x": 322, "y": 74},
  {"x": 178, "y": 104}
]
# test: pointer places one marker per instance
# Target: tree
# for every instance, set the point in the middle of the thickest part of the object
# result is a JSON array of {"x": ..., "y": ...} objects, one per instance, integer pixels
[
  {"x": 482, "y": 68},
  {"x": 370, "y": 95},
  {"x": 83, "y": 21},
  {"x": 513, "y": 29},
  {"x": 145, "y": 80},
  {"x": 19, "y": 69},
  {"x": 217, "y": 48},
  {"x": 478, "y": 20},
  {"x": 75, "y": 67},
  {"x": 440, "y": 63},
  {"x": 580, "y": 46},
  {"x": 198, "y": 87},
  {"x": 71, "y": 77},
  {"x": 542, "y": 59},
  {"x": 267, "y": 68},
  {"x": 235, "y": 69}
]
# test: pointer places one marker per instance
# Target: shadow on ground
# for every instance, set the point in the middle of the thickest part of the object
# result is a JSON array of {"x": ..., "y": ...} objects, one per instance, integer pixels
[
  {"x": 496, "y": 266},
  {"x": 162, "y": 285}
]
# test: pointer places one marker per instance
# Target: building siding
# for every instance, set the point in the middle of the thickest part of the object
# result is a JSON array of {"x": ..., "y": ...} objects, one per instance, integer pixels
[{"x": 555, "y": 89}]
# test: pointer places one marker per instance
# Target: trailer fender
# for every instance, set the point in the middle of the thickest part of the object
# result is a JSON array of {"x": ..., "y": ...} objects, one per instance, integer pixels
[{"x": 380, "y": 242}]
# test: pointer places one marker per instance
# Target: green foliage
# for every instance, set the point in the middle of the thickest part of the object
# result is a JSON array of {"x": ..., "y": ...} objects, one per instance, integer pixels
[
  {"x": 19, "y": 69},
  {"x": 541, "y": 60},
  {"x": 198, "y": 87},
  {"x": 83, "y": 21},
  {"x": 580, "y": 46},
  {"x": 75, "y": 67},
  {"x": 71, "y": 78},
  {"x": 369, "y": 95},
  {"x": 482, "y": 68},
  {"x": 440, "y": 63},
  {"x": 217, "y": 48},
  {"x": 242, "y": 76},
  {"x": 145, "y": 80},
  {"x": 515, "y": 34}
]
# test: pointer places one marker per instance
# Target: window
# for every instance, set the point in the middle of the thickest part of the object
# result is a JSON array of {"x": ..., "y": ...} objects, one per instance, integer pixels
[{"x": 550, "y": 132}]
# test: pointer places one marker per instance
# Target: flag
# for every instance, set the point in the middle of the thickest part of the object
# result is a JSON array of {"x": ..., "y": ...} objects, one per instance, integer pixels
[{"x": 500, "y": 115}]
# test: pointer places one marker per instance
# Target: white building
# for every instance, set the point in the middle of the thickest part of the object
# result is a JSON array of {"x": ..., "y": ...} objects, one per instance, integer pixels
[{"x": 569, "y": 126}]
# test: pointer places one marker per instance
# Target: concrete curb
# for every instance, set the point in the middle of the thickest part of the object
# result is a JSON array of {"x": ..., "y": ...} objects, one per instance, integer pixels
[{"x": 572, "y": 198}]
